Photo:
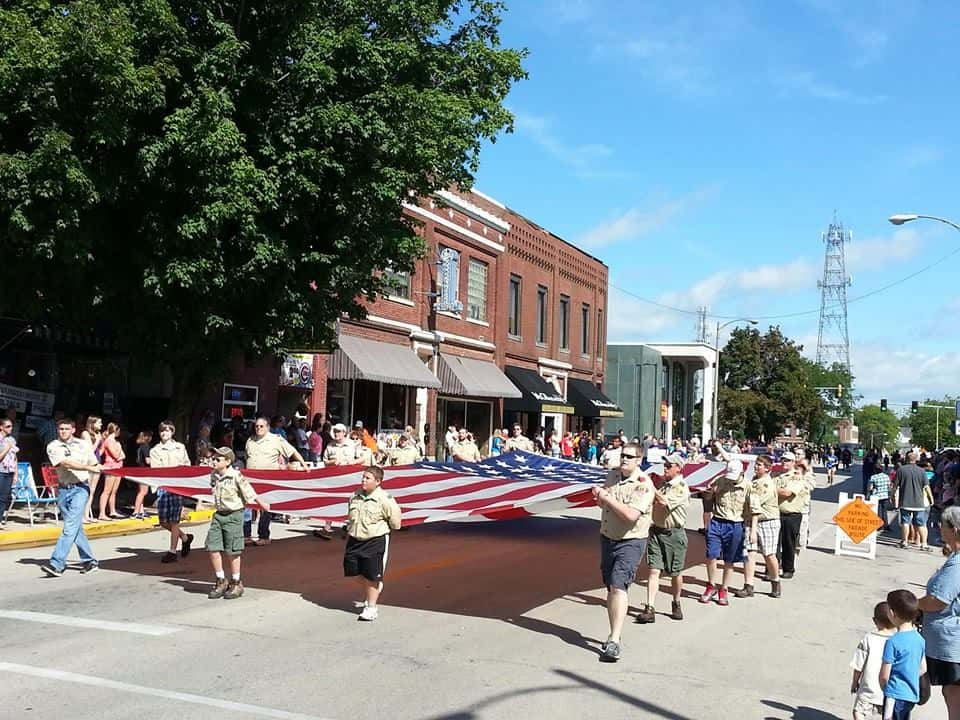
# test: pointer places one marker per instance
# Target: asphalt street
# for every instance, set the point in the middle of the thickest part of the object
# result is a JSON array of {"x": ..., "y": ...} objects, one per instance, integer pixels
[{"x": 478, "y": 620}]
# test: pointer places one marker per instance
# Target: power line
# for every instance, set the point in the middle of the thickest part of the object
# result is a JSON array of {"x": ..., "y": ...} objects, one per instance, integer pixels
[{"x": 871, "y": 293}]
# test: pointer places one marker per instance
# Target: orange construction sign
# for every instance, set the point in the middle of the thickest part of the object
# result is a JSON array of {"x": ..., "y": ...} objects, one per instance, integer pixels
[{"x": 858, "y": 520}]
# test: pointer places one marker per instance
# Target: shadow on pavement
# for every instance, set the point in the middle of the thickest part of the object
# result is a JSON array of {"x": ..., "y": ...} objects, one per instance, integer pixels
[{"x": 801, "y": 712}]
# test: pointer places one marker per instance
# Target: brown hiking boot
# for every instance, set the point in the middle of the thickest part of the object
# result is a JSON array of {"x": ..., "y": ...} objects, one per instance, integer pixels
[
  {"x": 647, "y": 615},
  {"x": 746, "y": 592},
  {"x": 234, "y": 591},
  {"x": 775, "y": 588},
  {"x": 677, "y": 611},
  {"x": 218, "y": 590}
]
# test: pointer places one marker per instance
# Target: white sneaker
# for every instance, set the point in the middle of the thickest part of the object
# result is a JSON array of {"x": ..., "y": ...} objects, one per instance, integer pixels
[{"x": 368, "y": 613}]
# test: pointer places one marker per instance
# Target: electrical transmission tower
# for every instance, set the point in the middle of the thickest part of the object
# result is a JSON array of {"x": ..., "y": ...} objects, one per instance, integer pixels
[
  {"x": 702, "y": 324},
  {"x": 833, "y": 342}
]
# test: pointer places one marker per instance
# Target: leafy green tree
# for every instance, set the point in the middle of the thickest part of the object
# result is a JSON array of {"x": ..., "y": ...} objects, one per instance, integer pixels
[
  {"x": 923, "y": 423},
  {"x": 228, "y": 177},
  {"x": 877, "y": 428}
]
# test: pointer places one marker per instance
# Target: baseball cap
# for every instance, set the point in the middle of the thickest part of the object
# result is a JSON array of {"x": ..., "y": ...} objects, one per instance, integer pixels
[
  {"x": 788, "y": 456},
  {"x": 225, "y": 452},
  {"x": 339, "y": 427},
  {"x": 734, "y": 470},
  {"x": 674, "y": 459}
]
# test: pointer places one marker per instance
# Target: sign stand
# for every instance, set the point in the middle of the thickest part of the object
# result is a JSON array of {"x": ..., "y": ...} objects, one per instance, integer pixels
[{"x": 857, "y": 526}]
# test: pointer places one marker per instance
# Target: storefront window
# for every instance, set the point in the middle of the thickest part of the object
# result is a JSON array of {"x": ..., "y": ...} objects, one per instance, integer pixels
[
  {"x": 394, "y": 415},
  {"x": 338, "y": 401},
  {"x": 473, "y": 415},
  {"x": 366, "y": 403}
]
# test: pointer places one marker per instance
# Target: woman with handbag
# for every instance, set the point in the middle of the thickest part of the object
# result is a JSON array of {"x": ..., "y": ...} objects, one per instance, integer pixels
[{"x": 941, "y": 616}]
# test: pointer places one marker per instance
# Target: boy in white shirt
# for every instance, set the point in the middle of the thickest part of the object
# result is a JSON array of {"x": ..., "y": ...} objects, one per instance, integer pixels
[{"x": 866, "y": 662}]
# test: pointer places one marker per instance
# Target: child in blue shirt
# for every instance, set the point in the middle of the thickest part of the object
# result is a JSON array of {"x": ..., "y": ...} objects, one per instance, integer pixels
[{"x": 904, "y": 659}]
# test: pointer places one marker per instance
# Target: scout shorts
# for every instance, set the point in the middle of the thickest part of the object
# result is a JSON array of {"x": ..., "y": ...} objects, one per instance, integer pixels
[
  {"x": 169, "y": 507},
  {"x": 725, "y": 540},
  {"x": 768, "y": 537},
  {"x": 667, "y": 550},
  {"x": 226, "y": 532},
  {"x": 366, "y": 557},
  {"x": 619, "y": 560}
]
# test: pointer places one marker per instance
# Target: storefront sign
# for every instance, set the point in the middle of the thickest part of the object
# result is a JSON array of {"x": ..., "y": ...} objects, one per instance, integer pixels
[
  {"x": 33, "y": 402},
  {"x": 297, "y": 371}
]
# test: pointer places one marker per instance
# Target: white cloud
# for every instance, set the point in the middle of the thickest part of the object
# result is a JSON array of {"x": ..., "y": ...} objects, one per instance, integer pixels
[
  {"x": 861, "y": 24},
  {"x": 637, "y": 222},
  {"x": 882, "y": 252},
  {"x": 879, "y": 370},
  {"x": 804, "y": 82},
  {"x": 585, "y": 158}
]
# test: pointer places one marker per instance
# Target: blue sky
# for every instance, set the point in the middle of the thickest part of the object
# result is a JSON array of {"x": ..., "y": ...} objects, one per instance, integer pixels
[{"x": 701, "y": 149}]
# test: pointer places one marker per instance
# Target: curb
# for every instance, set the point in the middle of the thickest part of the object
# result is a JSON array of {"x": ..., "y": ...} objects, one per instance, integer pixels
[{"x": 48, "y": 533}]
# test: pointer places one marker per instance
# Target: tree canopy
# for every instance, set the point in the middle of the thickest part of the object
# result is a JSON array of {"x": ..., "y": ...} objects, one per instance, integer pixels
[
  {"x": 229, "y": 176},
  {"x": 923, "y": 424},
  {"x": 766, "y": 384},
  {"x": 877, "y": 428}
]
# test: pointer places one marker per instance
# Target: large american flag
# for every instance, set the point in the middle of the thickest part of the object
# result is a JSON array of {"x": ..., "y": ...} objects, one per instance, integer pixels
[{"x": 517, "y": 484}]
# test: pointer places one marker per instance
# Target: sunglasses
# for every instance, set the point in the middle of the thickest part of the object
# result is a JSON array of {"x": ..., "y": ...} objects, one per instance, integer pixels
[{"x": 628, "y": 457}]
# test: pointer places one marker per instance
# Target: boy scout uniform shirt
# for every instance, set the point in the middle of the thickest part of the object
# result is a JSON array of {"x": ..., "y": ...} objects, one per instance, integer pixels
[
  {"x": 796, "y": 484},
  {"x": 674, "y": 515},
  {"x": 730, "y": 498},
  {"x": 373, "y": 515},
  {"x": 763, "y": 498},
  {"x": 635, "y": 491},
  {"x": 169, "y": 454},
  {"x": 78, "y": 450},
  {"x": 231, "y": 491},
  {"x": 265, "y": 453},
  {"x": 344, "y": 453},
  {"x": 405, "y": 456},
  {"x": 519, "y": 443},
  {"x": 466, "y": 451}
]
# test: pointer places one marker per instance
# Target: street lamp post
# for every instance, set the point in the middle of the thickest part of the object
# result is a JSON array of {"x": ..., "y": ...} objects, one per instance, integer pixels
[
  {"x": 908, "y": 217},
  {"x": 716, "y": 372}
]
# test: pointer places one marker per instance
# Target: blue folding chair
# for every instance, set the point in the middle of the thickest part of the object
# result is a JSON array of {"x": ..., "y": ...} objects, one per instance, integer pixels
[{"x": 25, "y": 491}]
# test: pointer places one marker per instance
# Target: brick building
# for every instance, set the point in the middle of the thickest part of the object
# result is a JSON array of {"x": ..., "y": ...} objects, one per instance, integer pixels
[{"x": 527, "y": 344}]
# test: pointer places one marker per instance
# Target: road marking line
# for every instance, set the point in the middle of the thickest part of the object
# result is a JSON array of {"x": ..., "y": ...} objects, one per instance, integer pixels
[
  {"x": 137, "y": 628},
  {"x": 154, "y": 692}
]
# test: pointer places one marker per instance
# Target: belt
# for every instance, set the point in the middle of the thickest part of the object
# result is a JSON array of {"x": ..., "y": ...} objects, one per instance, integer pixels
[
  {"x": 724, "y": 520},
  {"x": 657, "y": 529},
  {"x": 76, "y": 484}
]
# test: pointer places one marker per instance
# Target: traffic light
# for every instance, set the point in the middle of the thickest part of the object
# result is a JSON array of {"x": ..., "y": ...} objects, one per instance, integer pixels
[
  {"x": 883, "y": 404},
  {"x": 839, "y": 391},
  {"x": 914, "y": 407}
]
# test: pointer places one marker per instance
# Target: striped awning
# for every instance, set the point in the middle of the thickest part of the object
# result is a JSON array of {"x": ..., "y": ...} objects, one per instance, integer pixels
[
  {"x": 361, "y": 359},
  {"x": 464, "y": 376}
]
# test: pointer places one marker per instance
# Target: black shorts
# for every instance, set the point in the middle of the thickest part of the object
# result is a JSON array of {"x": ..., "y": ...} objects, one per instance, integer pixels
[
  {"x": 366, "y": 557},
  {"x": 943, "y": 672}
]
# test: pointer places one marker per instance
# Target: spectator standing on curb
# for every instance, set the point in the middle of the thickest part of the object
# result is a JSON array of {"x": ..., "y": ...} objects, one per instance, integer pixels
[
  {"x": 879, "y": 489},
  {"x": 667, "y": 547},
  {"x": 912, "y": 492},
  {"x": 170, "y": 453},
  {"x": 93, "y": 435},
  {"x": 268, "y": 450},
  {"x": 8, "y": 465},
  {"x": 626, "y": 500},
  {"x": 113, "y": 457},
  {"x": 231, "y": 491},
  {"x": 371, "y": 515},
  {"x": 74, "y": 460}
]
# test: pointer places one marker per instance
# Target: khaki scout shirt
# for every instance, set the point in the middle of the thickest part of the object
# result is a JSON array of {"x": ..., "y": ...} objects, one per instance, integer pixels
[
  {"x": 796, "y": 484},
  {"x": 169, "y": 454},
  {"x": 406, "y": 455},
  {"x": 811, "y": 480},
  {"x": 635, "y": 491},
  {"x": 78, "y": 450},
  {"x": 521, "y": 442},
  {"x": 344, "y": 453},
  {"x": 231, "y": 491},
  {"x": 674, "y": 515},
  {"x": 763, "y": 498},
  {"x": 265, "y": 453},
  {"x": 373, "y": 515},
  {"x": 730, "y": 498},
  {"x": 465, "y": 451}
]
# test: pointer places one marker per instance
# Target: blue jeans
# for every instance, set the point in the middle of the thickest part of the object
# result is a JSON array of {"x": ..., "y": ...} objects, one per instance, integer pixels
[
  {"x": 263, "y": 524},
  {"x": 72, "y": 501},
  {"x": 897, "y": 709},
  {"x": 6, "y": 483}
]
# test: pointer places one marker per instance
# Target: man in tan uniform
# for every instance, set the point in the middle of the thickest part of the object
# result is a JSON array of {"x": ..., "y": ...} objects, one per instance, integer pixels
[
  {"x": 625, "y": 499},
  {"x": 170, "y": 453},
  {"x": 465, "y": 449},
  {"x": 793, "y": 492},
  {"x": 518, "y": 441},
  {"x": 667, "y": 549},
  {"x": 341, "y": 452},
  {"x": 406, "y": 452},
  {"x": 267, "y": 451}
]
